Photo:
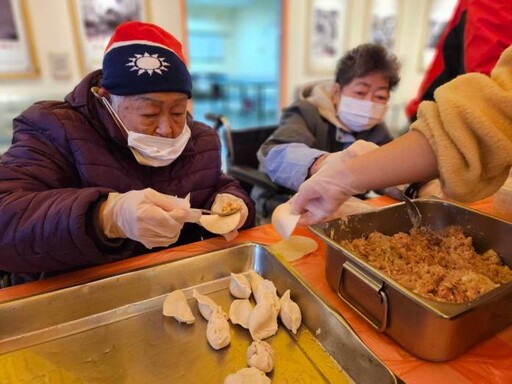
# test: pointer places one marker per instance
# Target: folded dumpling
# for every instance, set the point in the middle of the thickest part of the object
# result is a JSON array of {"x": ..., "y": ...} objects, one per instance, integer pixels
[
  {"x": 205, "y": 304},
  {"x": 239, "y": 312},
  {"x": 217, "y": 329},
  {"x": 176, "y": 305},
  {"x": 254, "y": 279},
  {"x": 260, "y": 355},
  {"x": 239, "y": 286},
  {"x": 267, "y": 290},
  {"x": 290, "y": 313},
  {"x": 247, "y": 376},
  {"x": 263, "y": 319}
]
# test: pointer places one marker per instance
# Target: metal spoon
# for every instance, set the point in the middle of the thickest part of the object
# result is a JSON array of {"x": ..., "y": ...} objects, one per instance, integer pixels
[{"x": 413, "y": 211}]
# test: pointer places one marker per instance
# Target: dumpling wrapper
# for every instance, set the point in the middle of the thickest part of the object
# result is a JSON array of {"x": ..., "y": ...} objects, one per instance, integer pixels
[
  {"x": 290, "y": 313},
  {"x": 260, "y": 355},
  {"x": 283, "y": 221},
  {"x": 294, "y": 247},
  {"x": 239, "y": 312},
  {"x": 247, "y": 376},
  {"x": 205, "y": 304},
  {"x": 239, "y": 286},
  {"x": 220, "y": 224},
  {"x": 217, "y": 330},
  {"x": 176, "y": 305}
]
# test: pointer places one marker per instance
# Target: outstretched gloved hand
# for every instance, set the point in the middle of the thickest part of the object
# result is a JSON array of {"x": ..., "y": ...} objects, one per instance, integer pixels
[
  {"x": 223, "y": 199},
  {"x": 319, "y": 197},
  {"x": 147, "y": 216}
]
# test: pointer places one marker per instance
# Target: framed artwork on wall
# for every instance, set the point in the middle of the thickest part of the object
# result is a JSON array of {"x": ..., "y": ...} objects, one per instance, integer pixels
[
  {"x": 439, "y": 14},
  {"x": 327, "y": 35},
  {"x": 95, "y": 21},
  {"x": 384, "y": 22},
  {"x": 17, "y": 53}
]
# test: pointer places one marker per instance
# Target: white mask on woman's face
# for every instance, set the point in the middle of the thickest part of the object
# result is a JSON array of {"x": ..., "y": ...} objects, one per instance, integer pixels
[
  {"x": 157, "y": 151},
  {"x": 360, "y": 115},
  {"x": 154, "y": 151}
]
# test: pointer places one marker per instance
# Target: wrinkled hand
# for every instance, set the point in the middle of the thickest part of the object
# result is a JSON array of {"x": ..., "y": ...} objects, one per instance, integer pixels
[
  {"x": 319, "y": 197},
  {"x": 147, "y": 216},
  {"x": 223, "y": 199}
]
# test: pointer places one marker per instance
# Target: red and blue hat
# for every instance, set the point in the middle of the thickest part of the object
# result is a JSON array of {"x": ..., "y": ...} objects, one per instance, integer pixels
[{"x": 143, "y": 58}]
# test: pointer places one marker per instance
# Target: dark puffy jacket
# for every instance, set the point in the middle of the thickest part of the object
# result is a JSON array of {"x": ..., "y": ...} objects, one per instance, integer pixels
[{"x": 64, "y": 160}]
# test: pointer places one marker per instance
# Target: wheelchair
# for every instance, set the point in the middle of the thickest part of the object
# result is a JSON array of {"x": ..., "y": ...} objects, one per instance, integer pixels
[{"x": 242, "y": 163}]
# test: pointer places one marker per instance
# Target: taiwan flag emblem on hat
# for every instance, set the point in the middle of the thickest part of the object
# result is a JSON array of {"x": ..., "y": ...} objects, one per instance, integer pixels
[
  {"x": 148, "y": 63},
  {"x": 143, "y": 58}
]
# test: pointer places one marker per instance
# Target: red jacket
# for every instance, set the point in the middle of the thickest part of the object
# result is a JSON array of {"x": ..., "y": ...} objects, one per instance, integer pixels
[
  {"x": 472, "y": 41},
  {"x": 65, "y": 159}
]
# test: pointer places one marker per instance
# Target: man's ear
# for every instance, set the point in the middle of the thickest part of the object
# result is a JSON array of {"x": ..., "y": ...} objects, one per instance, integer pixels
[{"x": 335, "y": 94}]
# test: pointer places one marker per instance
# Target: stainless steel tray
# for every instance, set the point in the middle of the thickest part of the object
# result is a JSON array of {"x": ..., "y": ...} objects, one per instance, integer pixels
[
  {"x": 113, "y": 330},
  {"x": 427, "y": 329}
]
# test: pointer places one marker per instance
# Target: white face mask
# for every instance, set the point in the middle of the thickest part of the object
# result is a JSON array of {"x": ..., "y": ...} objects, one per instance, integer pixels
[
  {"x": 154, "y": 151},
  {"x": 157, "y": 151},
  {"x": 360, "y": 115}
]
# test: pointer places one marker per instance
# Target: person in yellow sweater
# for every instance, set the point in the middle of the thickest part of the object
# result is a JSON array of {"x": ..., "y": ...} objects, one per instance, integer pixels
[{"x": 464, "y": 138}]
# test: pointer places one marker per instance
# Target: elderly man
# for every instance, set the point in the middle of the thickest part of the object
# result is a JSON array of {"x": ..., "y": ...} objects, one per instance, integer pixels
[{"x": 114, "y": 169}]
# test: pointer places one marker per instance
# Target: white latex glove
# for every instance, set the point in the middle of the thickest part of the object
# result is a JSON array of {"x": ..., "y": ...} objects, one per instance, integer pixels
[
  {"x": 147, "y": 216},
  {"x": 319, "y": 197},
  {"x": 357, "y": 148},
  {"x": 224, "y": 198},
  {"x": 351, "y": 206}
]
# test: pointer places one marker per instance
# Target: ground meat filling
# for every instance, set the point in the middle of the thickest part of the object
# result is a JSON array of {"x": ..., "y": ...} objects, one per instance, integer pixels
[{"x": 439, "y": 265}]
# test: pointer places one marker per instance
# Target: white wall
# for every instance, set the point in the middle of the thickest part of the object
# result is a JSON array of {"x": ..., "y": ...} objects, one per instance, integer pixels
[
  {"x": 410, "y": 33},
  {"x": 53, "y": 32}
]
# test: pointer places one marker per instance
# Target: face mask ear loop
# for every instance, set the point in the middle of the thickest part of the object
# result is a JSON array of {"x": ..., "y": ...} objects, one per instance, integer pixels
[{"x": 111, "y": 110}]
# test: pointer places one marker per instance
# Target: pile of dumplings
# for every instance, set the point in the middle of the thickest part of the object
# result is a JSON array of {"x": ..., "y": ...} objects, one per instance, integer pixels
[{"x": 261, "y": 320}]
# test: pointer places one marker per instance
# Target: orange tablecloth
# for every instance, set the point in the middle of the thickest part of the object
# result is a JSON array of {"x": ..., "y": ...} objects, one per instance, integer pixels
[{"x": 488, "y": 362}]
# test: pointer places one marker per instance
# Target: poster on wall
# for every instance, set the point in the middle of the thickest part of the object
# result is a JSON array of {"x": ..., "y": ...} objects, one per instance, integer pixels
[
  {"x": 439, "y": 15},
  {"x": 327, "y": 35},
  {"x": 17, "y": 56},
  {"x": 96, "y": 20},
  {"x": 384, "y": 22}
]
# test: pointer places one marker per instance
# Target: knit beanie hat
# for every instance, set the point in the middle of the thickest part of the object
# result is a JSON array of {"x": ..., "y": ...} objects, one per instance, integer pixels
[{"x": 143, "y": 58}]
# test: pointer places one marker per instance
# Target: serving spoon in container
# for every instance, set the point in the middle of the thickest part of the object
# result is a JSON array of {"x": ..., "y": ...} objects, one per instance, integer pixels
[{"x": 413, "y": 211}]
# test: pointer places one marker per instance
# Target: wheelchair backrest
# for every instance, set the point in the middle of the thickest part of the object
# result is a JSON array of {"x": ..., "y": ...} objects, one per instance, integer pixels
[{"x": 247, "y": 142}]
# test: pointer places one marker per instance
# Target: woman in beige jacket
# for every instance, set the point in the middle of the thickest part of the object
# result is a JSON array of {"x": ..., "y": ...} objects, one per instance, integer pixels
[{"x": 464, "y": 137}]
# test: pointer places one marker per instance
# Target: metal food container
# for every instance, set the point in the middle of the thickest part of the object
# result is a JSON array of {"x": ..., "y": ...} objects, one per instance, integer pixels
[
  {"x": 113, "y": 330},
  {"x": 425, "y": 328}
]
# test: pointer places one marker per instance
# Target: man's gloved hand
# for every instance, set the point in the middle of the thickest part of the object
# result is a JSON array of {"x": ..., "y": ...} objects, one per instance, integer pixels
[
  {"x": 319, "y": 197},
  {"x": 223, "y": 199},
  {"x": 147, "y": 216},
  {"x": 358, "y": 148}
]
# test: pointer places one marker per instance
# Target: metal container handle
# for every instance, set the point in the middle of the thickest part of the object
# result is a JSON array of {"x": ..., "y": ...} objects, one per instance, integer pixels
[{"x": 377, "y": 287}]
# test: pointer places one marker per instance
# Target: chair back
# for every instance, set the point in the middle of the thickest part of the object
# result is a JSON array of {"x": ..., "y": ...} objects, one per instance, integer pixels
[{"x": 246, "y": 143}]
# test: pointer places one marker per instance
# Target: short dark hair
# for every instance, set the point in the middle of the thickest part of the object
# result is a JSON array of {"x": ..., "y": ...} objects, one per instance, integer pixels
[{"x": 366, "y": 59}]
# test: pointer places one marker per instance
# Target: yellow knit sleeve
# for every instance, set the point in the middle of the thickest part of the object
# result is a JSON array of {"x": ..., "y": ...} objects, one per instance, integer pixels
[{"x": 469, "y": 126}]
